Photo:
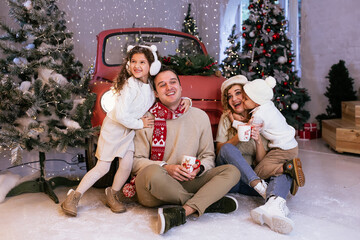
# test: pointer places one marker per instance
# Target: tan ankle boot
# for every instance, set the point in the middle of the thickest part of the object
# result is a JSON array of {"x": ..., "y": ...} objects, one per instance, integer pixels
[
  {"x": 69, "y": 206},
  {"x": 113, "y": 202}
]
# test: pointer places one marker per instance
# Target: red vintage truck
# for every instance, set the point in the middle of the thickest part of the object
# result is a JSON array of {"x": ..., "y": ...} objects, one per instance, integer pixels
[{"x": 111, "y": 50}]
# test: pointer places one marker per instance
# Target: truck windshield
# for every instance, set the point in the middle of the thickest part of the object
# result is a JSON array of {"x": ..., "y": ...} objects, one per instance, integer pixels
[{"x": 114, "y": 49}]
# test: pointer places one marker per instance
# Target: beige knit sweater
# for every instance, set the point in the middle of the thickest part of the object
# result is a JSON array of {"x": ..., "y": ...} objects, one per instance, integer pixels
[{"x": 190, "y": 134}]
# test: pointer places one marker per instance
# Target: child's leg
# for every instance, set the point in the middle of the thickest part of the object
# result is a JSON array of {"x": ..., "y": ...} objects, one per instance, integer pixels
[
  {"x": 272, "y": 163},
  {"x": 100, "y": 169},
  {"x": 124, "y": 170},
  {"x": 122, "y": 174}
]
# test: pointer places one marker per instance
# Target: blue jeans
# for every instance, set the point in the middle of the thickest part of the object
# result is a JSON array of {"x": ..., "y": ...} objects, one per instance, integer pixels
[{"x": 278, "y": 186}]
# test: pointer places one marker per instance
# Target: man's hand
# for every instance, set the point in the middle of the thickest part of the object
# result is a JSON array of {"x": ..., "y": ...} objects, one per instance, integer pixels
[{"x": 180, "y": 173}]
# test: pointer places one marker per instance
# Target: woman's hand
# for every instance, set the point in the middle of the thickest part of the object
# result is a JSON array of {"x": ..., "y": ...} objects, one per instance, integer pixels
[
  {"x": 147, "y": 121},
  {"x": 230, "y": 116}
]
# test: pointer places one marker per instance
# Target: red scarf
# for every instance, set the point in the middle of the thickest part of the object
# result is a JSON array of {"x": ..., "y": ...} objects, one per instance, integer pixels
[{"x": 161, "y": 114}]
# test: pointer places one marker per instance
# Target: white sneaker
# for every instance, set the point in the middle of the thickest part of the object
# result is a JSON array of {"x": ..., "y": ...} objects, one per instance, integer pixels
[
  {"x": 261, "y": 188},
  {"x": 274, "y": 214}
]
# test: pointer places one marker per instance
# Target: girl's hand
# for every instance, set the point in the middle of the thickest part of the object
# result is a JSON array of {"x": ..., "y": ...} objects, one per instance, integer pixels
[
  {"x": 255, "y": 134},
  {"x": 147, "y": 121},
  {"x": 185, "y": 104}
]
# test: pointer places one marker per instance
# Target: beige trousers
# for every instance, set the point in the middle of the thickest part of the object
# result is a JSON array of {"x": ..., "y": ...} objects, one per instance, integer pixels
[
  {"x": 155, "y": 187},
  {"x": 273, "y": 161}
]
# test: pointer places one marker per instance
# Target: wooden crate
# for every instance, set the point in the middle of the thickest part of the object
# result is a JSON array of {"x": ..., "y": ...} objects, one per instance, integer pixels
[
  {"x": 341, "y": 135},
  {"x": 350, "y": 111}
]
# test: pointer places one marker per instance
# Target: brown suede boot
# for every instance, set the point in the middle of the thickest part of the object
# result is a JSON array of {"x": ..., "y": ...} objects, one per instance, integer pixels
[
  {"x": 113, "y": 202},
  {"x": 69, "y": 206},
  {"x": 294, "y": 169}
]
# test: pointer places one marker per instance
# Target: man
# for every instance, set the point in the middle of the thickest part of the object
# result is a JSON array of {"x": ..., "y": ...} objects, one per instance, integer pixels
[{"x": 160, "y": 178}]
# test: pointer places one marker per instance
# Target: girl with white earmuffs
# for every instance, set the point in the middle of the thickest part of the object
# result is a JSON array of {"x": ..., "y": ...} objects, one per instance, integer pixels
[{"x": 134, "y": 91}]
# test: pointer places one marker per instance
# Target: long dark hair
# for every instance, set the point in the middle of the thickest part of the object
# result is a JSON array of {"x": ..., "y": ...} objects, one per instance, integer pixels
[{"x": 124, "y": 74}]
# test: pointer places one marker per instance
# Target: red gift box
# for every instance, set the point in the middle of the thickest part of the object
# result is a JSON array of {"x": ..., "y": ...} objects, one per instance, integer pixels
[
  {"x": 304, "y": 134},
  {"x": 310, "y": 127}
]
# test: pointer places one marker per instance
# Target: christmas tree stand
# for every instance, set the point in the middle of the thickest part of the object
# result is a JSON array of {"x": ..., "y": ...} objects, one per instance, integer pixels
[{"x": 41, "y": 184}]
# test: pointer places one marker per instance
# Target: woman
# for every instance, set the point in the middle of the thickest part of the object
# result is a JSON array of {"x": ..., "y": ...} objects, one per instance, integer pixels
[{"x": 246, "y": 154}]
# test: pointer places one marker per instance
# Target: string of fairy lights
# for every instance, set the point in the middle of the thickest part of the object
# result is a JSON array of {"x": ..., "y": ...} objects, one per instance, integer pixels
[
  {"x": 102, "y": 15},
  {"x": 72, "y": 168}
]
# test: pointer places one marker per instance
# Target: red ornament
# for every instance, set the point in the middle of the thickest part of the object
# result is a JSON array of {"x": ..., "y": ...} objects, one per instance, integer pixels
[
  {"x": 262, "y": 74},
  {"x": 244, "y": 35},
  {"x": 268, "y": 29},
  {"x": 290, "y": 61},
  {"x": 276, "y": 36},
  {"x": 251, "y": 6},
  {"x": 285, "y": 83},
  {"x": 274, "y": 50},
  {"x": 264, "y": 51},
  {"x": 262, "y": 44},
  {"x": 244, "y": 28},
  {"x": 129, "y": 189},
  {"x": 258, "y": 26},
  {"x": 250, "y": 45}
]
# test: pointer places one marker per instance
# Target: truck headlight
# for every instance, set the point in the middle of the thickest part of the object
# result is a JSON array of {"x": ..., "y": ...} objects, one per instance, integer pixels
[{"x": 107, "y": 100}]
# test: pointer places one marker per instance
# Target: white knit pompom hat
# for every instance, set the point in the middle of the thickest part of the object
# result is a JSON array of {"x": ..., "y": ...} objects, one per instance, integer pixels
[
  {"x": 238, "y": 79},
  {"x": 259, "y": 90}
]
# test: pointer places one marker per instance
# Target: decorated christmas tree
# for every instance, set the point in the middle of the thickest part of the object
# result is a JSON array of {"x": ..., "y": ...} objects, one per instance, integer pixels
[
  {"x": 189, "y": 25},
  {"x": 340, "y": 89},
  {"x": 267, "y": 52},
  {"x": 230, "y": 65},
  {"x": 44, "y": 104}
]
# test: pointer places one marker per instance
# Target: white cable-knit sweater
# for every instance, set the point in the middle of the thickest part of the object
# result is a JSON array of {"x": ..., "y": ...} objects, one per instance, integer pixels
[{"x": 275, "y": 128}]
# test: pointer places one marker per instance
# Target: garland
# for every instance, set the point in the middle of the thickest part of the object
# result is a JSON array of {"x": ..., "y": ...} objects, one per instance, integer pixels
[{"x": 192, "y": 65}]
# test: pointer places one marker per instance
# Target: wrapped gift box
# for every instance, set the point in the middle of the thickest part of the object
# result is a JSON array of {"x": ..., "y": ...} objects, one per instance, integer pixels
[
  {"x": 310, "y": 126},
  {"x": 305, "y": 134}
]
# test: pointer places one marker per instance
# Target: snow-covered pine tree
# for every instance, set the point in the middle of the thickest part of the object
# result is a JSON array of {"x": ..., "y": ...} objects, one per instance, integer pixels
[
  {"x": 230, "y": 66},
  {"x": 267, "y": 52},
  {"x": 44, "y": 103}
]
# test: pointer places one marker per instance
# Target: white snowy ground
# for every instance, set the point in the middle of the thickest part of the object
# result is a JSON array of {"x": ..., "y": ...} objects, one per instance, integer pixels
[{"x": 328, "y": 207}]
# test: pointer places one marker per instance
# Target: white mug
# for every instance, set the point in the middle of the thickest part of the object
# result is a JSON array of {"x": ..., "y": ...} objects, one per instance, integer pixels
[
  {"x": 188, "y": 162},
  {"x": 244, "y": 132}
]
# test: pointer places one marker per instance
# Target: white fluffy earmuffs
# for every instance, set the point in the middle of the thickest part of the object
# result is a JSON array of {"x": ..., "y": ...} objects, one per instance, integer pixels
[{"x": 155, "y": 66}]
